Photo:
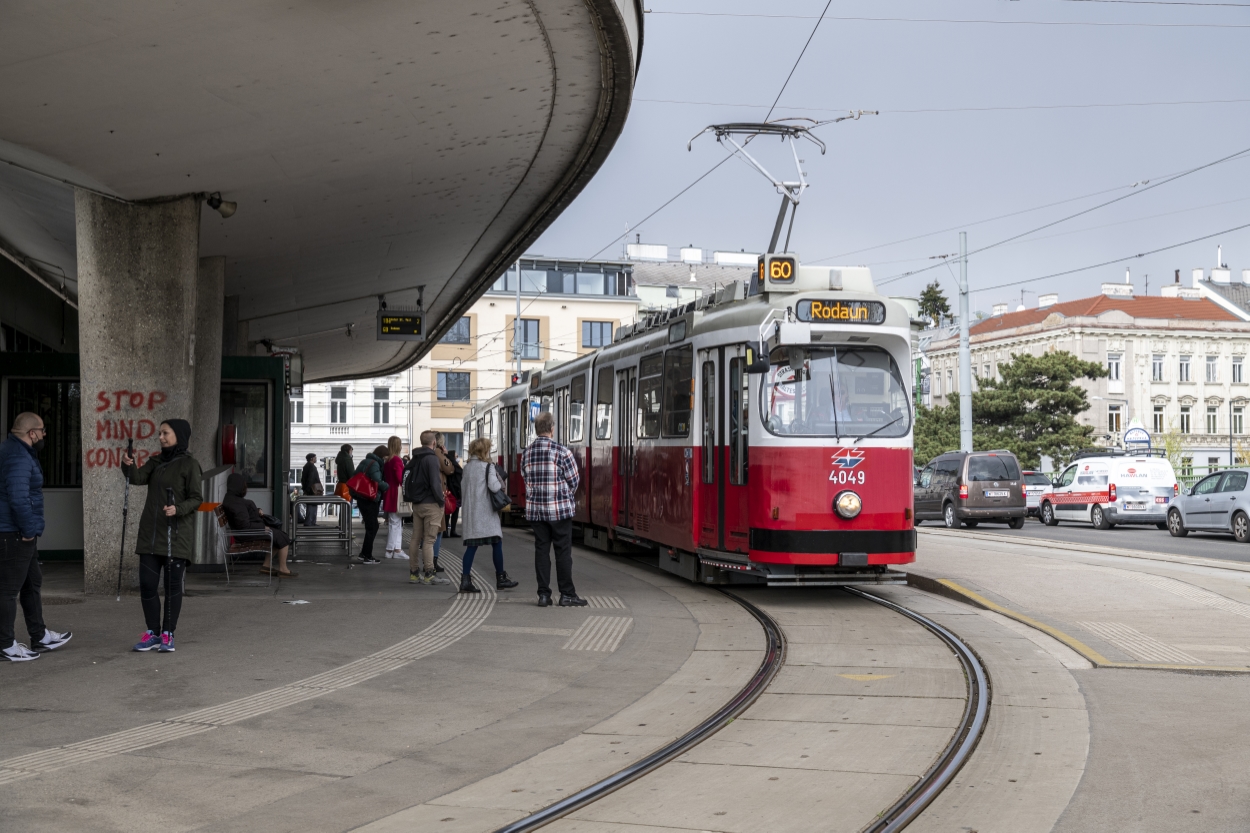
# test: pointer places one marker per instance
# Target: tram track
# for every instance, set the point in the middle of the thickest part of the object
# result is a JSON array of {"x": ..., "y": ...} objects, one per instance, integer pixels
[{"x": 895, "y": 818}]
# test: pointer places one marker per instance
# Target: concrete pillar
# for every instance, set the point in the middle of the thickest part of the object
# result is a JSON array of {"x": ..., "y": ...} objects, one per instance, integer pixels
[
  {"x": 210, "y": 298},
  {"x": 138, "y": 269}
]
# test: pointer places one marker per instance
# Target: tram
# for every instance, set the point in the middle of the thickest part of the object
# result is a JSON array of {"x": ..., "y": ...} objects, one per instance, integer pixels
[{"x": 761, "y": 434}]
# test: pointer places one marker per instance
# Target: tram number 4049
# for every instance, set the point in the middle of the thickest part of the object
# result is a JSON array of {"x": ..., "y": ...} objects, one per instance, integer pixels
[{"x": 846, "y": 478}]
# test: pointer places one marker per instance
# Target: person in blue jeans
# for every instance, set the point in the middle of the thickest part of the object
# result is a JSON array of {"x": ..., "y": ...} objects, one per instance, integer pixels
[
  {"x": 21, "y": 524},
  {"x": 481, "y": 521}
]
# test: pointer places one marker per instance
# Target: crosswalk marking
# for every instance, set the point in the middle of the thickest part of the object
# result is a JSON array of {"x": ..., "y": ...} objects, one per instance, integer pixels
[
  {"x": 1137, "y": 644},
  {"x": 604, "y": 601},
  {"x": 599, "y": 633}
]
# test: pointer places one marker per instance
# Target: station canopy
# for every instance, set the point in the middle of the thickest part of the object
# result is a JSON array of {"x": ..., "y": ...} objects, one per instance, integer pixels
[{"x": 372, "y": 148}]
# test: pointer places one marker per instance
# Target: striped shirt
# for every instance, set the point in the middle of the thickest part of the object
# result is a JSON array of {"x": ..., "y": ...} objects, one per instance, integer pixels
[{"x": 551, "y": 480}]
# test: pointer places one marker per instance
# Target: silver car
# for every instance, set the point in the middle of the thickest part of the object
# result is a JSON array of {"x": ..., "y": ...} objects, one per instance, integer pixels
[{"x": 1216, "y": 503}]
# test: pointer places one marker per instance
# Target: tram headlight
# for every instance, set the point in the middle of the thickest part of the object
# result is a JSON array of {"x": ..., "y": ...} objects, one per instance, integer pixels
[{"x": 847, "y": 504}]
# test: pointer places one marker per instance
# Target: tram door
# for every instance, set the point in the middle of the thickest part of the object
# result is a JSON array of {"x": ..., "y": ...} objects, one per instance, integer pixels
[
  {"x": 626, "y": 434},
  {"x": 711, "y": 437},
  {"x": 735, "y": 503}
]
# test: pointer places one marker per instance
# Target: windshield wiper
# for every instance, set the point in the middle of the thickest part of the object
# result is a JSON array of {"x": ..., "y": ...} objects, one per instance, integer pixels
[
  {"x": 833, "y": 397},
  {"x": 876, "y": 430}
]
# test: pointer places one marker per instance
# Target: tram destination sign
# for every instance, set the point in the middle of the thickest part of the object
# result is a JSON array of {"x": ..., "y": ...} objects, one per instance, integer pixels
[
  {"x": 841, "y": 312},
  {"x": 399, "y": 326}
]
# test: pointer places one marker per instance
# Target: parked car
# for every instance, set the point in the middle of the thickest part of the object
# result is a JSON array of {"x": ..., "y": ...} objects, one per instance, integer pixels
[
  {"x": 1034, "y": 484},
  {"x": 961, "y": 487},
  {"x": 1216, "y": 503},
  {"x": 1103, "y": 487}
]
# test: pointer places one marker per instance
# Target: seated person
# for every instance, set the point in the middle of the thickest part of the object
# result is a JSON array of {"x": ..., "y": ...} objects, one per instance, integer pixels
[{"x": 242, "y": 514}]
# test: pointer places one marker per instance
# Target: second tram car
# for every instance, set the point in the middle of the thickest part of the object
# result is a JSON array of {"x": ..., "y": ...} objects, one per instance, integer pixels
[{"x": 759, "y": 434}]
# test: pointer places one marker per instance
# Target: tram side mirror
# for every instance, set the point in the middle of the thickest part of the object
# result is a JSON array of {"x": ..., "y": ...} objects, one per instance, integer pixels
[{"x": 757, "y": 360}]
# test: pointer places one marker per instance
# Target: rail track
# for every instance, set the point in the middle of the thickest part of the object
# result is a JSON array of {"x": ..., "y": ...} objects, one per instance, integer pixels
[{"x": 961, "y": 746}]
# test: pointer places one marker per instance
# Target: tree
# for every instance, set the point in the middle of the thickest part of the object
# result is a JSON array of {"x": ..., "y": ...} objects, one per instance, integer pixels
[
  {"x": 933, "y": 304},
  {"x": 1032, "y": 409},
  {"x": 1031, "y": 412}
]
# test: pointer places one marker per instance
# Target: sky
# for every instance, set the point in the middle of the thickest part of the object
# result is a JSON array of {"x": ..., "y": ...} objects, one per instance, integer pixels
[{"x": 921, "y": 177}]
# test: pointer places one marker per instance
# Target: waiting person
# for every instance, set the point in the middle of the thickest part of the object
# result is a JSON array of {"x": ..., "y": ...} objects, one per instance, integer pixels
[
  {"x": 393, "y": 474},
  {"x": 160, "y": 524},
  {"x": 444, "y": 468},
  {"x": 21, "y": 524},
  {"x": 455, "y": 485},
  {"x": 481, "y": 520},
  {"x": 371, "y": 467},
  {"x": 551, "y": 479},
  {"x": 242, "y": 514},
  {"x": 426, "y": 497},
  {"x": 344, "y": 468},
  {"x": 310, "y": 482}
]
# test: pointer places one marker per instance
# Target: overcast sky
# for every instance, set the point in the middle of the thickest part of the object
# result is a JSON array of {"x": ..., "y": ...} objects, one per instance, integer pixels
[{"x": 900, "y": 174}]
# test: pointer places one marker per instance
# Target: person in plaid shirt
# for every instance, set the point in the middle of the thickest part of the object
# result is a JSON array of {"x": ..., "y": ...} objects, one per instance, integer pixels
[{"x": 551, "y": 479}]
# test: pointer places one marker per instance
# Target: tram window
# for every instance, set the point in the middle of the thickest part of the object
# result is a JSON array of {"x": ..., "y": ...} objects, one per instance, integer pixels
[
  {"x": 562, "y": 416},
  {"x": 834, "y": 392},
  {"x": 603, "y": 405},
  {"x": 708, "y": 404},
  {"x": 490, "y": 424},
  {"x": 678, "y": 391},
  {"x": 577, "y": 408},
  {"x": 650, "y": 383},
  {"x": 739, "y": 421}
]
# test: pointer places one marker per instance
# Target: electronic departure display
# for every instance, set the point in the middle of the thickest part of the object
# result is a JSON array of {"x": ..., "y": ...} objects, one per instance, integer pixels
[
  {"x": 399, "y": 326},
  {"x": 841, "y": 312},
  {"x": 773, "y": 269}
]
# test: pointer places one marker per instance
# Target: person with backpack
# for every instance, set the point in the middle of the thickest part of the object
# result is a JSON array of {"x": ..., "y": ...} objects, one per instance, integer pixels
[
  {"x": 371, "y": 467},
  {"x": 166, "y": 537},
  {"x": 423, "y": 488},
  {"x": 481, "y": 518}
]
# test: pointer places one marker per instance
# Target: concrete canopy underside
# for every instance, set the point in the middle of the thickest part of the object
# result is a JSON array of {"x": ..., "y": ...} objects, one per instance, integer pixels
[{"x": 372, "y": 148}]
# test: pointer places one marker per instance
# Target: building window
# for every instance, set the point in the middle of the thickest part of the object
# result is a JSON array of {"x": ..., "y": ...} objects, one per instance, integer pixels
[
  {"x": 453, "y": 386},
  {"x": 1238, "y": 423},
  {"x": 1113, "y": 367},
  {"x": 338, "y": 405},
  {"x": 985, "y": 374},
  {"x": 1113, "y": 419},
  {"x": 1187, "y": 467},
  {"x": 528, "y": 346},
  {"x": 950, "y": 382},
  {"x": 1213, "y": 464},
  {"x": 1184, "y": 419},
  {"x": 596, "y": 333},
  {"x": 1211, "y": 418},
  {"x": 1237, "y": 377},
  {"x": 1213, "y": 368},
  {"x": 297, "y": 410},
  {"x": 459, "y": 333},
  {"x": 1182, "y": 369},
  {"x": 1156, "y": 368},
  {"x": 1158, "y": 419},
  {"x": 381, "y": 406},
  {"x": 935, "y": 383}
]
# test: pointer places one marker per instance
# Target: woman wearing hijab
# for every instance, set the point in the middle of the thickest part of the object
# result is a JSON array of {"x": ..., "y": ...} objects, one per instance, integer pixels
[
  {"x": 481, "y": 521},
  {"x": 165, "y": 529},
  {"x": 242, "y": 514},
  {"x": 371, "y": 467},
  {"x": 393, "y": 474}
]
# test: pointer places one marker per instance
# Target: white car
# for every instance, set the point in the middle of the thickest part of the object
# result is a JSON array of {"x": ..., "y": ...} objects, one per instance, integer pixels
[{"x": 1105, "y": 489}]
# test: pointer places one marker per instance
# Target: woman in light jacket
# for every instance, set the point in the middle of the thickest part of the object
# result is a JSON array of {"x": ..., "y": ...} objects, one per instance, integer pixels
[
  {"x": 393, "y": 474},
  {"x": 481, "y": 520}
]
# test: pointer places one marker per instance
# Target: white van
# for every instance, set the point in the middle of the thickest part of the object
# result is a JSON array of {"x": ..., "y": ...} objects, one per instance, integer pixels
[{"x": 1103, "y": 488}]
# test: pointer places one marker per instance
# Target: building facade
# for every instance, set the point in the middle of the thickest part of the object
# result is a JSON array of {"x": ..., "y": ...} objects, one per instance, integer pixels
[{"x": 1173, "y": 364}]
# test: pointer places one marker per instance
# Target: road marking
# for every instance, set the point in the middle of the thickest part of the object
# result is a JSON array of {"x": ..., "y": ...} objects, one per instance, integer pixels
[
  {"x": 604, "y": 601},
  {"x": 465, "y": 615},
  {"x": 599, "y": 633},
  {"x": 1194, "y": 594},
  {"x": 1214, "y": 649},
  {"x": 1137, "y": 644},
  {"x": 536, "y": 631}
]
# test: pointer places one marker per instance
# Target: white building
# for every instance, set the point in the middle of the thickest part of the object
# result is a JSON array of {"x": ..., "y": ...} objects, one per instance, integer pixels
[{"x": 1174, "y": 362}]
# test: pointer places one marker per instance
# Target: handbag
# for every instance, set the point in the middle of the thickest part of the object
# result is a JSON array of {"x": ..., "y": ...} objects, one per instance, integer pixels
[
  {"x": 341, "y": 491},
  {"x": 499, "y": 501},
  {"x": 318, "y": 490},
  {"x": 362, "y": 487},
  {"x": 450, "y": 504}
]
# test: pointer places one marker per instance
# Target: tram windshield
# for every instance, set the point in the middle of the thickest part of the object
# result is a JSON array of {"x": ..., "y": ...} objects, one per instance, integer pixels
[{"x": 834, "y": 392}]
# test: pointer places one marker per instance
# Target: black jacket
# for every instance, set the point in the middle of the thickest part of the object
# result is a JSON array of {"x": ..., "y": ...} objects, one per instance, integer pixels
[
  {"x": 423, "y": 481},
  {"x": 455, "y": 479},
  {"x": 344, "y": 467},
  {"x": 309, "y": 478},
  {"x": 241, "y": 513}
]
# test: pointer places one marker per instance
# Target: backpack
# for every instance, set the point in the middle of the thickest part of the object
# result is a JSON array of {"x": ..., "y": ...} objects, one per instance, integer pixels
[{"x": 409, "y": 484}]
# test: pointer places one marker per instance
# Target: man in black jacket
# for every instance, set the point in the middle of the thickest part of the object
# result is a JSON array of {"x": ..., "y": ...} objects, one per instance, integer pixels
[
  {"x": 454, "y": 481},
  {"x": 310, "y": 482},
  {"x": 423, "y": 488}
]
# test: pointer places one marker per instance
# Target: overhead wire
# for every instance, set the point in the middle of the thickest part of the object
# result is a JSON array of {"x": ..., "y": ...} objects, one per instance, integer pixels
[
  {"x": 855, "y": 18},
  {"x": 923, "y": 110}
]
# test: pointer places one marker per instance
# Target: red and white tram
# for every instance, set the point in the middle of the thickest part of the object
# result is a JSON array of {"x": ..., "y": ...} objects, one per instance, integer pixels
[{"x": 760, "y": 434}]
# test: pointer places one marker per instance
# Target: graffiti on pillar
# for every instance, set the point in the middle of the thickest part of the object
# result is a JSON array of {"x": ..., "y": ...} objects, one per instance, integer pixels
[{"x": 121, "y": 416}]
